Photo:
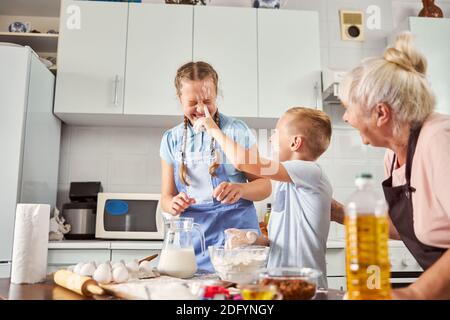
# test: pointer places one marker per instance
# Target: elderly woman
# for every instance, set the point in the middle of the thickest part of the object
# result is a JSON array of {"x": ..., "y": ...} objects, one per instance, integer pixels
[{"x": 389, "y": 101}]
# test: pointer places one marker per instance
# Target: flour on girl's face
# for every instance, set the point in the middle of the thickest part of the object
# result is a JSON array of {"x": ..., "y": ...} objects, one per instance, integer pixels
[{"x": 197, "y": 94}]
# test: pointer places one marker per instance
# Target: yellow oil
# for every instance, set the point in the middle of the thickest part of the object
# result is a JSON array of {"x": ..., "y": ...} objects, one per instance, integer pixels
[
  {"x": 248, "y": 294},
  {"x": 367, "y": 257}
]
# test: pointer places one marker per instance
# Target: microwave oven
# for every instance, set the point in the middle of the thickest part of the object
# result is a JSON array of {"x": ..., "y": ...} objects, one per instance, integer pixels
[{"x": 129, "y": 216}]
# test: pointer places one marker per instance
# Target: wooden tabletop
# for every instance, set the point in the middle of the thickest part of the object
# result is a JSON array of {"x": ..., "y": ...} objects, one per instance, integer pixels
[{"x": 50, "y": 291}]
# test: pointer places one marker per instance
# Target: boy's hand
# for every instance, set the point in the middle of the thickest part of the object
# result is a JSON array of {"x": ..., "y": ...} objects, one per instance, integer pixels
[
  {"x": 180, "y": 203},
  {"x": 206, "y": 122},
  {"x": 228, "y": 193},
  {"x": 237, "y": 238}
]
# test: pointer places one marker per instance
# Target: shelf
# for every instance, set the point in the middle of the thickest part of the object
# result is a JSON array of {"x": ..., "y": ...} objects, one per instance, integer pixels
[
  {"x": 41, "y": 8},
  {"x": 39, "y": 42}
]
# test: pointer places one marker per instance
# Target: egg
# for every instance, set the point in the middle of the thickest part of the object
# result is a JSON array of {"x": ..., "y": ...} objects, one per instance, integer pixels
[
  {"x": 103, "y": 274},
  {"x": 105, "y": 265},
  {"x": 77, "y": 267},
  {"x": 120, "y": 274},
  {"x": 87, "y": 269},
  {"x": 145, "y": 266},
  {"x": 117, "y": 265},
  {"x": 132, "y": 266},
  {"x": 251, "y": 236}
]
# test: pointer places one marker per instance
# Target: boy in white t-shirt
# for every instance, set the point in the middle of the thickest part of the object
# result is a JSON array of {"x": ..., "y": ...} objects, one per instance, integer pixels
[{"x": 300, "y": 218}]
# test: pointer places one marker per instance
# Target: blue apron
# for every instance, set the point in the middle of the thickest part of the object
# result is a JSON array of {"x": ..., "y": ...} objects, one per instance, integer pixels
[{"x": 212, "y": 216}]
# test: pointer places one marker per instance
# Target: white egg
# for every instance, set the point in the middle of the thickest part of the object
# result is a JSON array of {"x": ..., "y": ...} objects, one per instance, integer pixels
[
  {"x": 145, "y": 266},
  {"x": 251, "y": 236},
  {"x": 102, "y": 274},
  {"x": 132, "y": 266},
  {"x": 117, "y": 265},
  {"x": 120, "y": 275},
  {"x": 105, "y": 265},
  {"x": 77, "y": 267},
  {"x": 87, "y": 269}
]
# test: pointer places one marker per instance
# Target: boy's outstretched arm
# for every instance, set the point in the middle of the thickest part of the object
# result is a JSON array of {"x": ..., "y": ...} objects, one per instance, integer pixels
[{"x": 245, "y": 160}]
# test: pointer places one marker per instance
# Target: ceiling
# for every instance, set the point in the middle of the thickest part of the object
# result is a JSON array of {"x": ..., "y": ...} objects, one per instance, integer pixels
[{"x": 43, "y": 8}]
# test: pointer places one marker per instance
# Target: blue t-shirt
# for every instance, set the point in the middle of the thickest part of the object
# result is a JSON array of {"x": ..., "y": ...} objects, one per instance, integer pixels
[
  {"x": 235, "y": 129},
  {"x": 300, "y": 218}
]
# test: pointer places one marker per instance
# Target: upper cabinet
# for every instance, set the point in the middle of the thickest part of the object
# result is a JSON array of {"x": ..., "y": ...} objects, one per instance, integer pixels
[
  {"x": 288, "y": 60},
  {"x": 159, "y": 41},
  {"x": 226, "y": 38},
  {"x": 117, "y": 61},
  {"x": 430, "y": 35},
  {"x": 91, "y": 57}
]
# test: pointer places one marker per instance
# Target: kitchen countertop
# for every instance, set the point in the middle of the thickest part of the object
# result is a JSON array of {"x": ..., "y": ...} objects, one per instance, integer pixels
[
  {"x": 50, "y": 291},
  {"x": 157, "y": 244},
  {"x": 106, "y": 244}
]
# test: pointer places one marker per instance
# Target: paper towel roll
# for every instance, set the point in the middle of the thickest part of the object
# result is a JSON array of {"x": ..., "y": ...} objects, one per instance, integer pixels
[{"x": 29, "y": 261}]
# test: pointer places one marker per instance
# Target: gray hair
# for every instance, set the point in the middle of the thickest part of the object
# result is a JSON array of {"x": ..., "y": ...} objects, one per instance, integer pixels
[{"x": 397, "y": 79}]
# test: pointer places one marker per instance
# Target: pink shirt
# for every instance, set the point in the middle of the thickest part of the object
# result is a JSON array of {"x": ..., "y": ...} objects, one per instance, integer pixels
[{"x": 431, "y": 177}]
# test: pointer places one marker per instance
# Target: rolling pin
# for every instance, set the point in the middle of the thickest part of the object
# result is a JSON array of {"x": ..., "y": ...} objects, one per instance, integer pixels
[{"x": 85, "y": 286}]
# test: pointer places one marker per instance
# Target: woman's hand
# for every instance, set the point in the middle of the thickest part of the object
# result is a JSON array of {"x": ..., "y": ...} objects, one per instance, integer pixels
[
  {"x": 337, "y": 212},
  {"x": 407, "y": 293},
  {"x": 228, "y": 193},
  {"x": 180, "y": 203}
]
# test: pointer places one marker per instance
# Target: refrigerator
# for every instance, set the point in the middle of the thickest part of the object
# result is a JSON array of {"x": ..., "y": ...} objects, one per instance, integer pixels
[{"x": 29, "y": 139}]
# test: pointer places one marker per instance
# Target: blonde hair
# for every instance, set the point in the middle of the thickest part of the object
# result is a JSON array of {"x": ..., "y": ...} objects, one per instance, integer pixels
[
  {"x": 196, "y": 71},
  {"x": 397, "y": 79},
  {"x": 314, "y": 125}
]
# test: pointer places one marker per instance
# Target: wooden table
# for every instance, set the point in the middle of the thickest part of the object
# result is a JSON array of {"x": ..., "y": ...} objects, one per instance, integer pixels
[{"x": 50, "y": 291}]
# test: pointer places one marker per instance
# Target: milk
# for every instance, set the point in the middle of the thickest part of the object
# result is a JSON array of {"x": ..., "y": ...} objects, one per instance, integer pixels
[{"x": 179, "y": 263}]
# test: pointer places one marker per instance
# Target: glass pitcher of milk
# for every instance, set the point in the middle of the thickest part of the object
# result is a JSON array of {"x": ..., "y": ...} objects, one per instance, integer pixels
[{"x": 177, "y": 256}]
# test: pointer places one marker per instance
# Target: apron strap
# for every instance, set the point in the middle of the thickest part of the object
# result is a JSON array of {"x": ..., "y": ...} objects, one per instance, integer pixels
[
  {"x": 394, "y": 159},
  {"x": 412, "y": 143}
]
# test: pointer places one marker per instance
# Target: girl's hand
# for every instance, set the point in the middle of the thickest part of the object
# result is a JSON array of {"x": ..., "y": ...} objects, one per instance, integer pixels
[
  {"x": 180, "y": 203},
  {"x": 228, "y": 193}
]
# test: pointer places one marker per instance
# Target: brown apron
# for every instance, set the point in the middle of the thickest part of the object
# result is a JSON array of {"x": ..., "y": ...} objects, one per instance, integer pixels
[{"x": 400, "y": 204}]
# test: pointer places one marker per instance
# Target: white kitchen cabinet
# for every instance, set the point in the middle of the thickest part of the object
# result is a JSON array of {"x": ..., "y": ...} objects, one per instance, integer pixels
[
  {"x": 430, "y": 35},
  {"x": 288, "y": 60},
  {"x": 91, "y": 57},
  {"x": 335, "y": 262},
  {"x": 62, "y": 258},
  {"x": 159, "y": 42},
  {"x": 338, "y": 283},
  {"x": 5, "y": 270},
  {"x": 128, "y": 255},
  {"x": 226, "y": 38}
]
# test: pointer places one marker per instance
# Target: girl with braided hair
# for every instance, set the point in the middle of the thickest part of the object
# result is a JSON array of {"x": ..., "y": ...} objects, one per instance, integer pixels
[{"x": 197, "y": 181}]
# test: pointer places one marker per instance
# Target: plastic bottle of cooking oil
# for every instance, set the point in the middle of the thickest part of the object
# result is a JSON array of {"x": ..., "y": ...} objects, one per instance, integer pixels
[
  {"x": 267, "y": 214},
  {"x": 263, "y": 224},
  {"x": 367, "y": 232}
]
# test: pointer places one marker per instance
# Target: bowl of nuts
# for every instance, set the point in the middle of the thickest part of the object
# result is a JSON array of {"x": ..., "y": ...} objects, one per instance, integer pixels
[{"x": 292, "y": 283}]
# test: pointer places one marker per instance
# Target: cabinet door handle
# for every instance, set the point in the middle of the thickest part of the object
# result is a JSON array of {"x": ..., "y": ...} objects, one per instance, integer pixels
[{"x": 116, "y": 91}]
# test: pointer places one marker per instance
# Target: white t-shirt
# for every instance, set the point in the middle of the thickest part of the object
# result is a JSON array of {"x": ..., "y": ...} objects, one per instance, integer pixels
[{"x": 300, "y": 219}]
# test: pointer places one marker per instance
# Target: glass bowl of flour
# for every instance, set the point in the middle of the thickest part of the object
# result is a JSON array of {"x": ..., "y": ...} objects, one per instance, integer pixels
[{"x": 239, "y": 265}]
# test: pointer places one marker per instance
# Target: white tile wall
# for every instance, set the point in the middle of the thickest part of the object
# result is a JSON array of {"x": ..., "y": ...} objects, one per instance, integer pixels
[
  {"x": 346, "y": 157},
  {"x": 124, "y": 159}
]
